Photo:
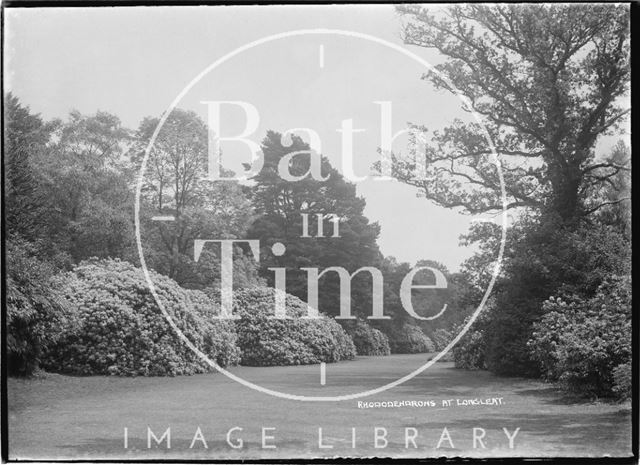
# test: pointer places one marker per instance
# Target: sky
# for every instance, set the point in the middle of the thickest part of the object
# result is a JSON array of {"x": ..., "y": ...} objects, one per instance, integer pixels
[{"x": 134, "y": 61}]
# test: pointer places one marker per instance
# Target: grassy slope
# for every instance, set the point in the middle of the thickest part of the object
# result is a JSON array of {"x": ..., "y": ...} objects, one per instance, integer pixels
[{"x": 73, "y": 417}]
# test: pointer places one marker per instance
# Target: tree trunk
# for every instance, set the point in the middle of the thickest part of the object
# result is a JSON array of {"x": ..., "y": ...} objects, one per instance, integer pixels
[{"x": 566, "y": 202}]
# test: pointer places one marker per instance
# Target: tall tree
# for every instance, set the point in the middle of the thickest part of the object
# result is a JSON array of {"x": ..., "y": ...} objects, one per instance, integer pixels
[
  {"x": 281, "y": 205},
  {"x": 174, "y": 185},
  {"x": 25, "y": 136},
  {"x": 548, "y": 81},
  {"x": 87, "y": 183}
]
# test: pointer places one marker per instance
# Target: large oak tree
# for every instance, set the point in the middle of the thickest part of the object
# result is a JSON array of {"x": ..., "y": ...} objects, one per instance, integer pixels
[{"x": 547, "y": 81}]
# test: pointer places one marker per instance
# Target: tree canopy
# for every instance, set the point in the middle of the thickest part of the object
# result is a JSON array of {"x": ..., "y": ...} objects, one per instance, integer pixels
[
  {"x": 280, "y": 205},
  {"x": 547, "y": 81},
  {"x": 175, "y": 185}
]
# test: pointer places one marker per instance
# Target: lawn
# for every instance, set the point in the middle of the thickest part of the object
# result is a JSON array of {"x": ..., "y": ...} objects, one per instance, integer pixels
[{"x": 85, "y": 417}]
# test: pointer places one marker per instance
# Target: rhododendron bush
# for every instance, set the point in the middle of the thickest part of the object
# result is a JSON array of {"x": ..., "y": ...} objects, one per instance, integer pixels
[
  {"x": 409, "y": 339},
  {"x": 121, "y": 330},
  {"x": 585, "y": 344},
  {"x": 266, "y": 341},
  {"x": 367, "y": 339}
]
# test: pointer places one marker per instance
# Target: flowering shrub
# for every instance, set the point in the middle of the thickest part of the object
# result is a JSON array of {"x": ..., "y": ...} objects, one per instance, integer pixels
[
  {"x": 220, "y": 338},
  {"x": 266, "y": 341},
  {"x": 367, "y": 339},
  {"x": 586, "y": 344},
  {"x": 121, "y": 330},
  {"x": 409, "y": 339},
  {"x": 345, "y": 347}
]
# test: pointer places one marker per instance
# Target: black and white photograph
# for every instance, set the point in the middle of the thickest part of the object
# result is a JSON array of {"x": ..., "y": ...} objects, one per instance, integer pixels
[{"x": 317, "y": 232}]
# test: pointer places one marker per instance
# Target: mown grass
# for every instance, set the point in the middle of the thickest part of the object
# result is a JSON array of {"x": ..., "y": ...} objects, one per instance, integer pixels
[{"x": 84, "y": 417}]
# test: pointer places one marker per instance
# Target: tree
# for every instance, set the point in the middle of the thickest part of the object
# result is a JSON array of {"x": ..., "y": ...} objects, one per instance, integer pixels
[
  {"x": 426, "y": 302},
  {"x": 282, "y": 203},
  {"x": 86, "y": 182},
  {"x": 25, "y": 135},
  {"x": 174, "y": 185},
  {"x": 548, "y": 81}
]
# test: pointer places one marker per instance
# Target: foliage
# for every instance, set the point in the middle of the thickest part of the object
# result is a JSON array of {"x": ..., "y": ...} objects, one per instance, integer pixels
[
  {"x": 543, "y": 257},
  {"x": 585, "y": 343},
  {"x": 469, "y": 353},
  {"x": 280, "y": 205},
  {"x": 85, "y": 182},
  {"x": 615, "y": 211},
  {"x": 622, "y": 381},
  {"x": 426, "y": 302},
  {"x": 37, "y": 313},
  {"x": 175, "y": 185},
  {"x": 70, "y": 184},
  {"x": 345, "y": 347},
  {"x": 266, "y": 341},
  {"x": 409, "y": 339},
  {"x": 548, "y": 81},
  {"x": 441, "y": 338},
  {"x": 25, "y": 135},
  {"x": 122, "y": 331},
  {"x": 219, "y": 337},
  {"x": 367, "y": 339}
]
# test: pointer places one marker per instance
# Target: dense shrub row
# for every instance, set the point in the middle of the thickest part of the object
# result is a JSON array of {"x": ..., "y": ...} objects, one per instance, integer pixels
[
  {"x": 115, "y": 327},
  {"x": 265, "y": 341},
  {"x": 121, "y": 331},
  {"x": 410, "y": 339},
  {"x": 367, "y": 339}
]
